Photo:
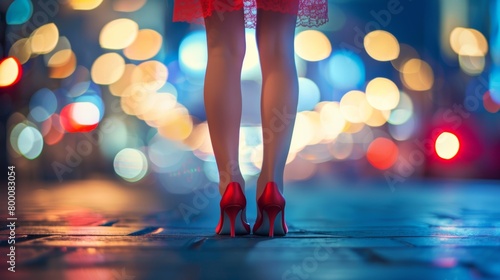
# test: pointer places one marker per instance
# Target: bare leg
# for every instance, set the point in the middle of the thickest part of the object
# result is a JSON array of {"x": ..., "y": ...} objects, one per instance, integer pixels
[
  {"x": 222, "y": 91},
  {"x": 275, "y": 40}
]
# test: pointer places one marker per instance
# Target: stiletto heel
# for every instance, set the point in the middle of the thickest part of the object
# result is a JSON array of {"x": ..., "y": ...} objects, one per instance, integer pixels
[
  {"x": 270, "y": 204},
  {"x": 272, "y": 212},
  {"x": 232, "y": 212},
  {"x": 232, "y": 208}
]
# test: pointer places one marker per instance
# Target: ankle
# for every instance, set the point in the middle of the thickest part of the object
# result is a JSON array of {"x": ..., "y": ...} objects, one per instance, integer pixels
[
  {"x": 224, "y": 183},
  {"x": 262, "y": 182}
]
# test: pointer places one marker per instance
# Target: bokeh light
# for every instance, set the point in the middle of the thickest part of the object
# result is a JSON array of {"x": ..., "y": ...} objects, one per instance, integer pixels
[
  {"x": 52, "y": 130},
  {"x": 355, "y": 107},
  {"x": 417, "y": 75},
  {"x": 472, "y": 65},
  {"x": 145, "y": 46},
  {"x": 19, "y": 12},
  {"x": 331, "y": 118},
  {"x": 193, "y": 55},
  {"x": 44, "y": 39},
  {"x": 43, "y": 104},
  {"x": 346, "y": 70},
  {"x": 378, "y": 118},
  {"x": 489, "y": 104},
  {"x": 10, "y": 72},
  {"x": 382, "y": 94},
  {"x": 382, "y": 153},
  {"x": 21, "y": 50},
  {"x": 467, "y": 41},
  {"x": 312, "y": 45},
  {"x": 309, "y": 94},
  {"x": 406, "y": 52},
  {"x": 107, "y": 69},
  {"x": 152, "y": 75},
  {"x": 381, "y": 45},
  {"x": 251, "y": 62},
  {"x": 128, "y": 5},
  {"x": 447, "y": 145},
  {"x": 62, "y": 64},
  {"x": 30, "y": 142},
  {"x": 118, "y": 34},
  {"x": 131, "y": 164},
  {"x": 80, "y": 117},
  {"x": 85, "y": 4},
  {"x": 403, "y": 111}
]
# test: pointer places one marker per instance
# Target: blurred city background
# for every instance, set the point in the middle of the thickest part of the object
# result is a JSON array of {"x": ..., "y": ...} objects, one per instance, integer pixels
[{"x": 389, "y": 90}]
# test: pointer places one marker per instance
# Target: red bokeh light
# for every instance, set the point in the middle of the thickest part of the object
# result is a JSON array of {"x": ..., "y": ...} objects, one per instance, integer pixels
[
  {"x": 382, "y": 153},
  {"x": 69, "y": 123},
  {"x": 11, "y": 71}
]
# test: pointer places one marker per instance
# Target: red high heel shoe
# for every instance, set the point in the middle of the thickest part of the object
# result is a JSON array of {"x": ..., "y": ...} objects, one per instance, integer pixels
[
  {"x": 271, "y": 204},
  {"x": 232, "y": 206}
]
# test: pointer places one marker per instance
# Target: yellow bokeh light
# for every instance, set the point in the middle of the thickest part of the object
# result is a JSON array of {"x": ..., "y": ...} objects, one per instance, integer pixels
[
  {"x": 151, "y": 74},
  {"x": 447, "y": 145},
  {"x": 63, "y": 44},
  {"x": 312, "y": 45},
  {"x": 128, "y": 5},
  {"x": 381, "y": 45},
  {"x": 60, "y": 58},
  {"x": 354, "y": 107},
  {"x": 145, "y": 46},
  {"x": 378, "y": 118},
  {"x": 63, "y": 65},
  {"x": 107, "y": 69},
  {"x": 178, "y": 126},
  {"x": 84, "y": 4},
  {"x": 342, "y": 147},
  {"x": 472, "y": 65},
  {"x": 44, "y": 39},
  {"x": 303, "y": 133},
  {"x": 119, "y": 88},
  {"x": 134, "y": 95},
  {"x": 331, "y": 119},
  {"x": 118, "y": 34},
  {"x": 314, "y": 119},
  {"x": 382, "y": 94},
  {"x": 197, "y": 136},
  {"x": 9, "y": 72},
  {"x": 163, "y": 102},
  {"x": 467, "y": 41},
  {"x": 352, "y": 128},
  {"x": 21, "y": 49},
  {"x": 417, "y": 75},
  {"x": 406, "y": 52}
]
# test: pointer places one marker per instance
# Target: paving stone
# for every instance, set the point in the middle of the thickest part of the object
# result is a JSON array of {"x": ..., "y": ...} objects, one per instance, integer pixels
[
  {"x": 108, "y": 241},
  {"x": 451, "y": 241},
  {"x": 74, "y": 230},
  {"x": 440, "y": 256},
  {"x": 289, "y": 242},
  {"x": 33, "y": 255},
  {"x": 5, "y": 238},
  {"x": 443, "y": 230}
]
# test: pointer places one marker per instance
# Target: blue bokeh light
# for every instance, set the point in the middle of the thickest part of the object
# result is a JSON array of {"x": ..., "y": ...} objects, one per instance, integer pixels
[
  {"x": 346, "y": 71},
  {"x": 19, "y": 12},
  {"x": 309, "y": 95},
  {"x": 42, "y": 105},
  {"x": 193, "y": 55}
]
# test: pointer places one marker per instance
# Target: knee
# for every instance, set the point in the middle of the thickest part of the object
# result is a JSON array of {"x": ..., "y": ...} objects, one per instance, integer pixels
[
  {"x": 275, "y": 52},
  {"x": 233, "y": 51}
]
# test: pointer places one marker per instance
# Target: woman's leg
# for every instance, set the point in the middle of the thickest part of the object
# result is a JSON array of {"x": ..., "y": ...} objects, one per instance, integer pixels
[
  {"x": 275, "y": 40},
  {"x": 222, "y": 92}
]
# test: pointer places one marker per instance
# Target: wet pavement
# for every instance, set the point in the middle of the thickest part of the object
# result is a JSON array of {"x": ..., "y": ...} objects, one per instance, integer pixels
[{"x": 103, "y": 229}]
